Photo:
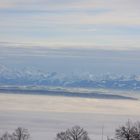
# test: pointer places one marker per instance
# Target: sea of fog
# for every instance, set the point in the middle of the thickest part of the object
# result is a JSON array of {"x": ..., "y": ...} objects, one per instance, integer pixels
[{"x": 45, "y": 115}]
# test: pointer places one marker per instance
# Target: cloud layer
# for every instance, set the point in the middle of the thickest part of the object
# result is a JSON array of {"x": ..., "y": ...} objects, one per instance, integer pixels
[{"x": 110, "y": 24}]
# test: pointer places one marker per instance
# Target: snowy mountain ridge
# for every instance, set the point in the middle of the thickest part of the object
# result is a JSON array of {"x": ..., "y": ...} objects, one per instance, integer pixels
[{"x": 87, "y": 80}]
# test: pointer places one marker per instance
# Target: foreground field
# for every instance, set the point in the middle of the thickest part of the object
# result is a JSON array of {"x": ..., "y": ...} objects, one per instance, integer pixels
[{"x": 45, "y": 115}]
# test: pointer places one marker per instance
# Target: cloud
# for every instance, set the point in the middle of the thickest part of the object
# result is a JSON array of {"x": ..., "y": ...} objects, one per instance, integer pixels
[
  {"x": 71, "y": 22},
  {"x": 114, "y": 12}
]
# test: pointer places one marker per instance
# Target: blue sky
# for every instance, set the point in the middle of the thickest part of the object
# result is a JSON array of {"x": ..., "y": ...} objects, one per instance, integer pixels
[
  {"x": 99, "y": 36},
  {"x": 98, "y": 24},
  {"x": 72, "y": 60}
]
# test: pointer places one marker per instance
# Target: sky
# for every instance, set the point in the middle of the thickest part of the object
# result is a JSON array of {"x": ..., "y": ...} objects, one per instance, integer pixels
[
  {"x": 99, "y": 36},
  {"x": 71, "y": 61},
  {"x": 99, "y": 24}
]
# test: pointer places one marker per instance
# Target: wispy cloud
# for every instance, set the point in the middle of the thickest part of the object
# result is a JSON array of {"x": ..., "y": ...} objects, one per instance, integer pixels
[
  {"x": 112, "y": 23},
  {"x": 69, "y": 59}
]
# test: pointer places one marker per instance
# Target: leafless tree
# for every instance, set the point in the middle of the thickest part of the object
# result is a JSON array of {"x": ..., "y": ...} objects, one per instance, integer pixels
[
  {"x": 136, "y": 135},
  {"x": 129, "y": 131},
  {"x": 62, "y": 136},
  {"x": 21, "y": 134},
  {"x": 6, "y": 136},
  {"x": 75, "y": 133},
  {"x": 125, "y": 132}
]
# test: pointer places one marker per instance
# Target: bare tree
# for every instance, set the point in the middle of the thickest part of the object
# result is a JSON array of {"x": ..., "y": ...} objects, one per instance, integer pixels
[
  {"x": 62, "y": 136},
  {"x": 21, "y": 134},
  {"x": 6, "y": 136},
  {"x": 125, "y": 132},
  {"x": 129, "y": 131},
  {"x": 136, "y": 135},
  {"x": 75, "y": 133}
]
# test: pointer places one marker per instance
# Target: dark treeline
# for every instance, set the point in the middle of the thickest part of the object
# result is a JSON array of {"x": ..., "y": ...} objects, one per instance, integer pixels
[{"x": 128, "y": 131}]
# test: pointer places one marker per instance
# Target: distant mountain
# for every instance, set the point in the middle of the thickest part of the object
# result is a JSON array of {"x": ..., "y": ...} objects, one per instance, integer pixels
[{"x": 36, "y": 77}]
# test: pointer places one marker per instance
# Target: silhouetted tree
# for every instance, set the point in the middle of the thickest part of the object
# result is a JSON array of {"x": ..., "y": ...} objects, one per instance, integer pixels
[
  {"x": 129, "y": 131},
  {"x": 6, "y": 136},
  {"x": 62, "y": 136},
  {"x": 125, "y": 132},
  {"x": 21, "y": 134},
  {"x": 75, "y": 133},
  {"x": 136, "y": 135}
]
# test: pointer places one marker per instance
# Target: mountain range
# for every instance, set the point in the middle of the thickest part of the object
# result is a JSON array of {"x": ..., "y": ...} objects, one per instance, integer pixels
[{"x": 34, "y": 77}]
